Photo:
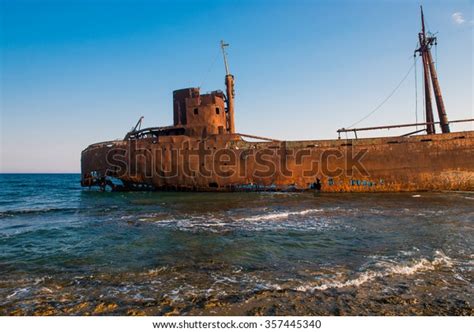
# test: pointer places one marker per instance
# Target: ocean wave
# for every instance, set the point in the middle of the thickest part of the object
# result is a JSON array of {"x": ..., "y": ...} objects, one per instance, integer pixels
[
  {"x": 180, "y": 284},
  {"x": 280, "y": 215},
  {"x": 162, "y": 217},
  {"x": 392, "y": 269},
  {"x": 218, "y": 225},
  {"x": 19, "y": 293},
  {"x": 12, "y": 213},
  {"x": 231, "y": 220}
]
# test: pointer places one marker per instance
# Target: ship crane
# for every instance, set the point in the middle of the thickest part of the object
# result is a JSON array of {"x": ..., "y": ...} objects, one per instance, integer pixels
[
  {"x": 427, "y": 40},
  {"x": 138, "y": 125}
]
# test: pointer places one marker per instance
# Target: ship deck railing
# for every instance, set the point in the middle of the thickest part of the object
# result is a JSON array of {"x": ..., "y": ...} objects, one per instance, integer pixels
[{"x": 355, "y": 130}]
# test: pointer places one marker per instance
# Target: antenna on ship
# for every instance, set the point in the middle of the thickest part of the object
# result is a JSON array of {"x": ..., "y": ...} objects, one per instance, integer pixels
[
  {"x": 427, "y": 40},
  {"x": 230, "y": 94}
]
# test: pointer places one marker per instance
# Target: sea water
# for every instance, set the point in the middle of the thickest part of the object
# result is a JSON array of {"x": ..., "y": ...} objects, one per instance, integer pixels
[{"x": 65, "y": 250}]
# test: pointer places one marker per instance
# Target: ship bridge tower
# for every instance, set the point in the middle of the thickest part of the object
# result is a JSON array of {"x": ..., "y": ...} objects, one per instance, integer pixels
[
  {"x": 427, "y": 40},
  {"x": 200, "y": 115},
  {"x": 203, "y": 115}
]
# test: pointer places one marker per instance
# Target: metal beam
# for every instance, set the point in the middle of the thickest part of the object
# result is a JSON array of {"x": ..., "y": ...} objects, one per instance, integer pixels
[{"x": 344, "y": 130}]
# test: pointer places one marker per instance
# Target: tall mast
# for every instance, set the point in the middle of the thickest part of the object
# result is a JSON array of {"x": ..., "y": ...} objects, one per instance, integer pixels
[
  {"x": 223, "y": 46},
  {"x": 430, "y": 127},
  {"x": 443, "y": 118},
  {"x": 422, "y": 22},
  {"x": 430, "y": 72},
  {"x": 230, "y": 94}
]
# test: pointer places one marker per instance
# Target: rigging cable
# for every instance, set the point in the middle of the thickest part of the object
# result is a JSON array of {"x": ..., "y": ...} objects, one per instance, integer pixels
[
  {"x": 206, "y": 75},
  {"x": 385, "y": 100}
]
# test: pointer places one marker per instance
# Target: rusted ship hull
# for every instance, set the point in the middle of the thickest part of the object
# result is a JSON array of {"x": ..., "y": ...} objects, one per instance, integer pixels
[{"x": 228, "y": 163}]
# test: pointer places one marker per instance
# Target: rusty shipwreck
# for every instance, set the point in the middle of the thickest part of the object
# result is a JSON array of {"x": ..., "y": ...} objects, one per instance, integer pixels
[{"x": 201, "y": 151}]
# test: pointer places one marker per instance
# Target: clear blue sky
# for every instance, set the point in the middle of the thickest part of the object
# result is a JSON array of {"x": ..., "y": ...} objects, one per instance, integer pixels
[{"x": 78, "y": 72}]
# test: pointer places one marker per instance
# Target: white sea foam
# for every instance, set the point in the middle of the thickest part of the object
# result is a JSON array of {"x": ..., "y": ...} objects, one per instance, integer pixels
[
  {"x": 157, "y": 270},
  {"x": 421, "y": 265},
  {"x": 19, "y": 293},
  {"x": 279, "y": 215},
  {"x": 223, "y": 222}
]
